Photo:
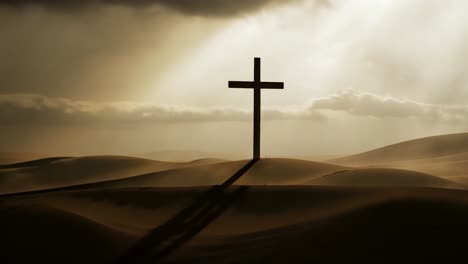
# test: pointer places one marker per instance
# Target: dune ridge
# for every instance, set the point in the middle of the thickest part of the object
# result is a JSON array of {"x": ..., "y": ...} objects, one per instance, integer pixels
[
  {"x": 292, "y": 210},
  {"x": 51, "y": 235},
  {"x": 309, "y": 223},
  {"x": 285, "y": 172},
  {"x": 421, "y": 148},
  {"x": 383, "y": 177},
  {"x": 73, "y": 171},
  {"x": 111, "y": 172},
  {"x": 445, "y": 156}
]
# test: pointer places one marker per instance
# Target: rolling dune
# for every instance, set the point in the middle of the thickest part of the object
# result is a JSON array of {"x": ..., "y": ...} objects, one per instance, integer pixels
[
  {"x": 280, "y": 210},
  {"x": 15, "y": 157},
  {"x": 284, "y": 172},
  {"x": 444, "y": 156},
  {"x": 411, "y": 226},
  {"x": 54, "y": 173},
  {"x": 422, "y": 148},
  {"x": 383, "y": 177},
  {"x": 275, "y": 224},
  {"x": 36, "y": 233},
  {"x": 264, "y": 172},
  {"x": 102, "y": 171}
]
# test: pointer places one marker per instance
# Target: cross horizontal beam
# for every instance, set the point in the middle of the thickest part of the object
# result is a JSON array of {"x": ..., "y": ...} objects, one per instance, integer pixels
[
  {"x": 257, "y": 85},
  {"x": 261, "y": 85}
]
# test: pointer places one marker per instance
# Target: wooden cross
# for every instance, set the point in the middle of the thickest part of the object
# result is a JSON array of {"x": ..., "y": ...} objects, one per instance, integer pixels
[{"x": 256, "y": 85}]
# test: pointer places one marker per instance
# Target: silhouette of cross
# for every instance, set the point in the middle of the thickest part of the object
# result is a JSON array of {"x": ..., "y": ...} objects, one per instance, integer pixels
[{"x": 256, "y": 85}]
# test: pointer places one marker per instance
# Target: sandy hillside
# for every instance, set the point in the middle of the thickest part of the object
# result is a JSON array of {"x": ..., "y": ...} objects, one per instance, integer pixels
[
  {"x": 335, "y": 226},
  {"x": 185, "y": 155},
  {"x": 273, "y": 172},
  {"x": 279, "y": 211},
  {"x": 383, "y": 177},
  {"x": 444, "y": 156},
  {"x": 59, "y": 172},
  {"x": 110, "y": 171},
  {"x": 15, "y": 157},
  {"x": 264, "y": 172},
  {"x": 263, "y": 224},
  {"x": 283, "y": 172},
  {"x": 422, "y": 148}
]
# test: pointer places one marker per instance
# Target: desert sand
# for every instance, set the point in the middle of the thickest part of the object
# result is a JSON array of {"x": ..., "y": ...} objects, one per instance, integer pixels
[
  {"x": 16, "y": 157},
  {"x": 276, "y": 224},
  {"x": 406, "y": 203},
  {"x": 444, "y": 156}
]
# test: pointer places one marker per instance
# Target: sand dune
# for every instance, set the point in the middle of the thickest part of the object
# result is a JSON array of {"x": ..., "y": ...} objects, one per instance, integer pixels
[
  {"x": 53, "y": 173},
  {"x": 285, "y": 172},
  {"x": 445, "y": 156},
  {"x": 383, "y": 177},
  {"x": 285, "y": 211},
  {"x": 35, "y": 233},
  {"x": 185, "y": 155},
  {"x": 15, "y": 157},
  {"x": 264, "y": 172},
  {"x": 111, "y": 171},
  {"x": 423, "y": 148},
  {"x": 267, "y": 224},
  {"x": 202, "y": 175},
  {"x": 204, "y": 161},
  {"x": 391, "y": 227},
  {"x": 32, "y": 163},
  {"x": 452, "y": 167}
]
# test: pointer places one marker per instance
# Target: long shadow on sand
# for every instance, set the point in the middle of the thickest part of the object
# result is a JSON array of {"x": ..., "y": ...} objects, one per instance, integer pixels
[{"x": 166, "y": 238}]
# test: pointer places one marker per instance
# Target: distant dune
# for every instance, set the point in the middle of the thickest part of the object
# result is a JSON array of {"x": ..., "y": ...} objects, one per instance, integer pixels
[
  {"x": 444, "y": 156},
  {"x": 383, "y": 177},
  {"x": 264, "y": 172},
  {"x": 422, "y": 148},
  {"x": 15, "y": 157},
  {"x": 285, "y": 172},
  {"x": 53, "y": 173},
  {"x": 407, "y": 199},
  {"x": 32, "y": 163},
  {"x": 116, "y": 171},
  {"x": 279, "y": 224},
  {"x": 201, "y": 175},
  {"x": 185, "y": 155}
]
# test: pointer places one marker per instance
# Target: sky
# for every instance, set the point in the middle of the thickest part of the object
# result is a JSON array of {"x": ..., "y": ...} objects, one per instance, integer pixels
[{"x": 124, "y": 77}]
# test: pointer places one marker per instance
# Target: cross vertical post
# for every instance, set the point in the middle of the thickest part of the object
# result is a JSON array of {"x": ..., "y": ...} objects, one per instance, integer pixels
[
  {"x": 257, "y": 109},
  {"x": 256, "y": 85}
]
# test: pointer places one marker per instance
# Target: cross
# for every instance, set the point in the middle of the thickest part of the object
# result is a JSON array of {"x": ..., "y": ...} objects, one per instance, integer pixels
[{"x": 257, "y": 85}]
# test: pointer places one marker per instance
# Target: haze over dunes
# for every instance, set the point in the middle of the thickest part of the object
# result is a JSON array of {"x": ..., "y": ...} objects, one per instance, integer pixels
[
  {"x": 444, "y": 156},
  {"x": 114, "y": 171},
  {"x": 422, "y": 148},
  {"x": 62, "y": 172},
  {"x": 279, "y": 210},
  {"x": 15, "y": 157}
]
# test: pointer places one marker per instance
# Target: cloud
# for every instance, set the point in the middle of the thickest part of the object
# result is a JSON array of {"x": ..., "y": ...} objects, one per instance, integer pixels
[
  {"x": 372, "y": 105},
  {"x": 32, "y": 108},
  {"x": 38, "y": 109},
  {"x": 190, "y": 7}
]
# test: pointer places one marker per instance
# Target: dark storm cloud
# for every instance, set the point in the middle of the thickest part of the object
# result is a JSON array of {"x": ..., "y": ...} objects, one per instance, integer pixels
[{"x": 190, "y": 7}]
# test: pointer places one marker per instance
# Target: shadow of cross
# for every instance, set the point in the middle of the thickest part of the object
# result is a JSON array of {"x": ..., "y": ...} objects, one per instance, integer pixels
[{"x": 166, "y": 238}]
